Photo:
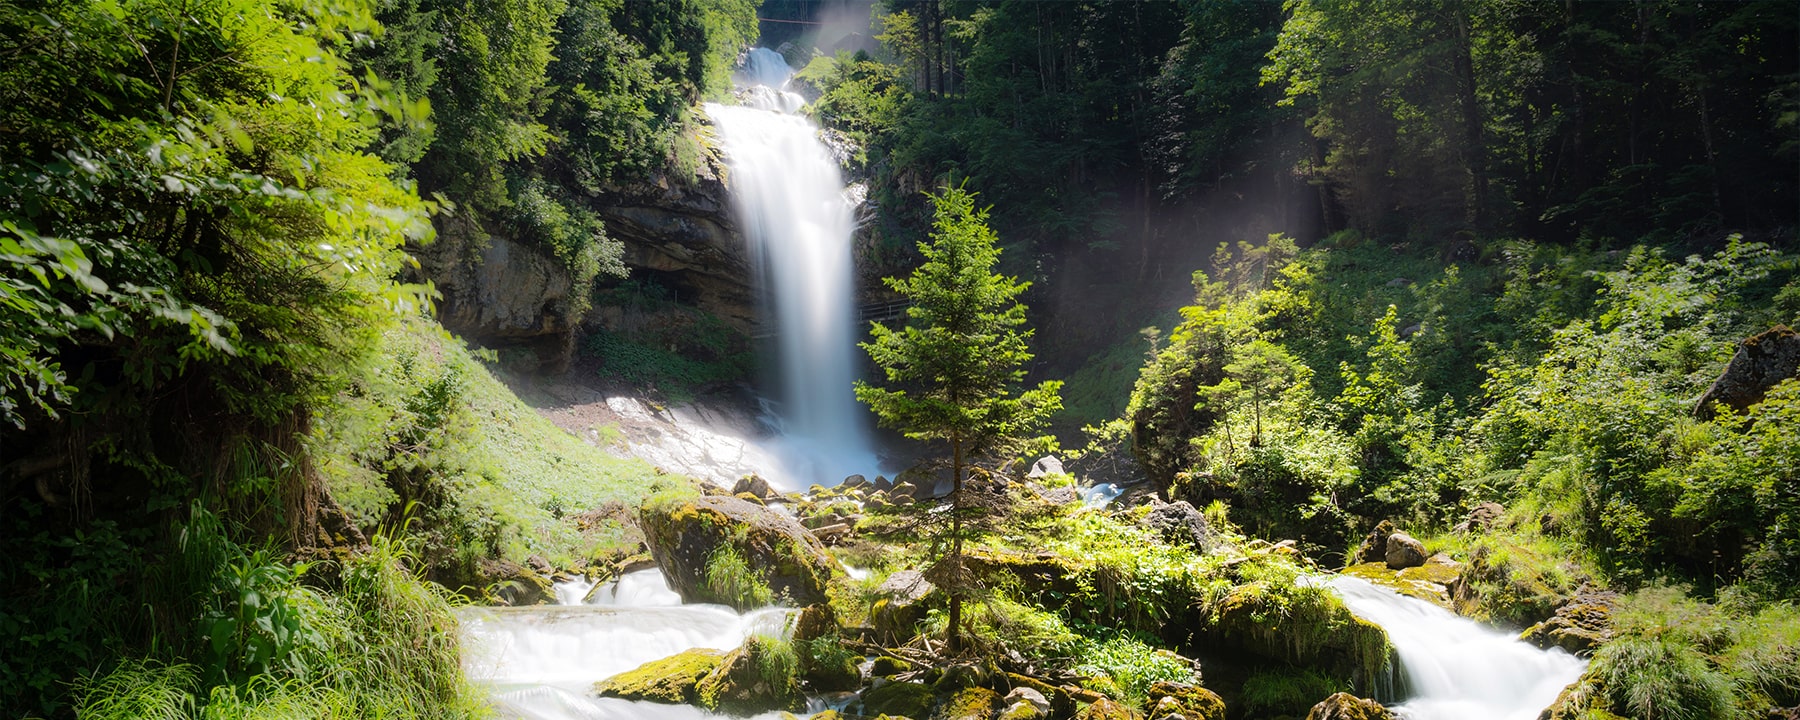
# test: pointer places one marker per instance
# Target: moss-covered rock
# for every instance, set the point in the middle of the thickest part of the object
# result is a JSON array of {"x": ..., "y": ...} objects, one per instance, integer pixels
[
  {"x": 910, "y": 699},
  {"x": 685, "y": 535},
  {"x": 905, "y": 597},
  {"x": 1305, "y": 625},
  {"x": 761, "y": 676},
  {"x": 1344, "y": 706},
  {"x": 1578, "y": 626},
  {"x": 1192, "y": 702},
  {"x": 975, "y": 703},
  {"x": 1062, "y": 705},
  {"x": 826, "y": 665},
  {"x": 888, "y": 665},
  {"x": 673, "y": 679},
  {"x": 826, "y": 715},
  {"x": 1105, "y": 709}
]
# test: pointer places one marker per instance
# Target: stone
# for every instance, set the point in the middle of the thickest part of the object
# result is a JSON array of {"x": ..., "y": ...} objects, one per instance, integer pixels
[
  {"x": 815, "y": 621},
  {"x": 1106, "y": 709},
  {"x": 1059, "y": 496},
  {"x": 1404, "y": 552},
  {"x": 518, "y": 585},
  {"x": 1192, "y": 702},
  {"x": 755, "y": 485},
  {"x": 1030, "y": 697},
  {"x": 901, "y": 604},
  {"x": 854, "y": 481},
  {"x": 888, "y": 665},
  {"x": 1481, "y": 518},
  {"x": 1180, "y": 524},
  {"x": 739, "y": 685},
  {"x": 882, "y": 484},
  {"x": 909, "y": 699},
  {"x": 1344, "y": 706},
  {"x": 684, "y": 536},
  {"x": 1046, "y": 465},
  {"x": 1761, "y": 363},
  {"x": 904, "y": 493},
  {"x": 1579, "y": 625},
  {"x": 1374, "y": 547},
  {"x": 674, "y": 679},
  {"x": 974, "y": 703}
]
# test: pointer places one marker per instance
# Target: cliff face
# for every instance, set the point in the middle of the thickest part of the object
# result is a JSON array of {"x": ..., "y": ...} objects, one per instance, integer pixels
[{"x": 682, "y": 229}]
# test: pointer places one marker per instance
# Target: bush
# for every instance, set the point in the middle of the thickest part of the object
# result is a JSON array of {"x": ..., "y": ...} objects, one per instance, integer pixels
[{"x": 1132, "y": 664}]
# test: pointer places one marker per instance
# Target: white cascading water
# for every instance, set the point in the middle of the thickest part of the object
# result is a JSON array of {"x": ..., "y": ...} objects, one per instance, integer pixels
[
  {"x": 796, "y": 215},
  {"x": 1455, "y": 668},
  {"x": 542, "y": 661}
]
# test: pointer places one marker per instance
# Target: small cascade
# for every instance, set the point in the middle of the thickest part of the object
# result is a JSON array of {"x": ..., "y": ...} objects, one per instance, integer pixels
[
  {"x": 542, "y": 661},
  {"x": 1455, "y": 668},
  {"x": 793, "y": 206}
]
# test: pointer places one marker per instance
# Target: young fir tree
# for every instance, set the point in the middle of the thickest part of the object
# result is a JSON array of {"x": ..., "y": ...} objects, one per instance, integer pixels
[{"x": 954, "y": 369}]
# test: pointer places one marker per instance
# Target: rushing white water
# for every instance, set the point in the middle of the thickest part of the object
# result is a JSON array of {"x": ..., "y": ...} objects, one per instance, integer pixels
[
  {"x": 542, "y": 661},
  {"x": 1455, "y": 668},
  {"x": 791, "y": 202}
]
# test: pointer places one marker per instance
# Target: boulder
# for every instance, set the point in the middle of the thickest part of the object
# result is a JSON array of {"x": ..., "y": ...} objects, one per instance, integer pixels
[
  {"x": 1058, "y": 496},
  {"x": 1374, "y": 547},
  {"x": 1029, "y": 697},
  {"x": 1404, "y": 552},
  {"x": 754, "y": 485},
  {"x": 1761, "y": 362},
  {"x": 516, "y": 584},
  {"x": 1344, "y": 706},
  {"x": 909, "y": 699},
  {"x": 1046, "y": 465},
  {"x": 1579, "y": 625},
  {"x": 901, "y": 604},
  {"x": 1191, "y": 702},
  {"x": 1480, "y": 518},
  {"x": 1106, "y": 709},
  {"x": 1180, "y": 524},
  {"x": 674, "y": 679},
  {"x": 748, "y": 681},
  {"x": 815, "y": 621},
  {"x": 685, "y": 535},
  {"x": 974, "y": 703}
]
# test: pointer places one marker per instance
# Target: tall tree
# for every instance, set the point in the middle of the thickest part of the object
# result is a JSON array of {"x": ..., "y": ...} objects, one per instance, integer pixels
[{"x": 954, "y": 368}]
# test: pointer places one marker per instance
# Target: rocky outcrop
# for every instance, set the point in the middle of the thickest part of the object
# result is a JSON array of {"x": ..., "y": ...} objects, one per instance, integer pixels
[
  {"x": 1579, "y": 625},
  {"x": 685, "y": 536},
  {"x": 1761, "y": 362},
  {"x": 683, "y": 230},
  {"x": 1344, "y": 706},
  {"x": 497, "y": 290}
]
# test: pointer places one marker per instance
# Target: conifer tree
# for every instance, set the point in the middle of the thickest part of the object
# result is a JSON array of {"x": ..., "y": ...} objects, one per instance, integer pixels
[{"x": 954, "y": 369}]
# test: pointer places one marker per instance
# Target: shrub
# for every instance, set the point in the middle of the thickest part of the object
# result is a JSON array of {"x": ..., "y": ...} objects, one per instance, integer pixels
[{"x": 731, "y": 579}]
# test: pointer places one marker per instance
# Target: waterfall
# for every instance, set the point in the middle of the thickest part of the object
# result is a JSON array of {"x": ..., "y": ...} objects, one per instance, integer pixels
[
  {"x": 542, "y": 661},
  {"x": 1455, "y": 668},
  {"x": 792, "y": 204}
]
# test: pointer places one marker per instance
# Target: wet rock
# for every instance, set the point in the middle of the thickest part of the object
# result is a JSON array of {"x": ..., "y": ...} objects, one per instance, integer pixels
[
  {"x": 1374, "y": 547},
  {"x": 1046, "y": 465},
  {"x": 685, "y": 535},
  {"x": 1179, "y": 523},
  {"x": 1761, "y": 363},
  {"x": 1578, "y": 626},
  {"x": 1344, "y": 706},
  {"x": 909, "y": 699},
  {"x": 1481, "y": 518},
  {"x": 1404, "y": 552},
  {"x": 518, "y": 585},
  {"x": 1191, "y": 702},
  {"x": 742, "y": 685},
  {"x": 674, "y": 679}
]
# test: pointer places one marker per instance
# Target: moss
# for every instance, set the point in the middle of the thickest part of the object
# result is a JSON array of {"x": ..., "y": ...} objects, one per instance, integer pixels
[
  {"x": 888, "y": 665},
  {"x": 1190, "y": 701},
  {"x": 762, "y": 675},
  {"x": 1344, "y": 706},
  {"x": 910, "y": 699},
  {"x": 974, "y": 703},
  {"x": 1412, "y": 582},
  {"x": 1061, "y": 704},
  {"x": 1278, "y": 618},
  {"x": 1104, "y": 709},
  {"x": 826, "y": 715},
  {"x": 673, "y": 679},
  {"x": 1022, "y": 711},
  {"x": 1286, "y": 692}
]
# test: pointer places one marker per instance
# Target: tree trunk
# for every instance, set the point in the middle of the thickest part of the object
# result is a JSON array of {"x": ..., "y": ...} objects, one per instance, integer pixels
[
  {"x": 1473, "y": 143},
  {"x": 953, "y": 633}
]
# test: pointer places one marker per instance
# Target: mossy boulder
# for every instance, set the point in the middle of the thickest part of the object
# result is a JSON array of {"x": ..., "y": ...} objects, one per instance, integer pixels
[
  {"x": 760, "y": 676},
  {"x": 887, "y": 665},
  {"x": 1578, "y": 626},
  {"x": 1106, "y": 709},
  {"x": 976, "y": 703},
  {"x": 1062, "y": 705},
  {"x": 1344, "y": 706},
  {"x": 1168, "y": 699},
  {"x": 1307, "y": 626},
  {"x": 1404, "y": 551},
  {"x": 684, "y": 536},
  {"x": 673, "y": 679},
  {"x": 910, "y": 699},
  {"x": 1430, "y": 582},
  {"x": 905, "y": 597}
]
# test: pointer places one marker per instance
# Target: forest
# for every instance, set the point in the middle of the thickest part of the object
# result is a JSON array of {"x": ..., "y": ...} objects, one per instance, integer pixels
[{"x": 348, "y": 345}]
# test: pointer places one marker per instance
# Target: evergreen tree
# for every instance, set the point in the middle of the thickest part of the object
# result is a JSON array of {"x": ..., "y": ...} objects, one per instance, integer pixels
[{"x": 952, "y": 370}]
